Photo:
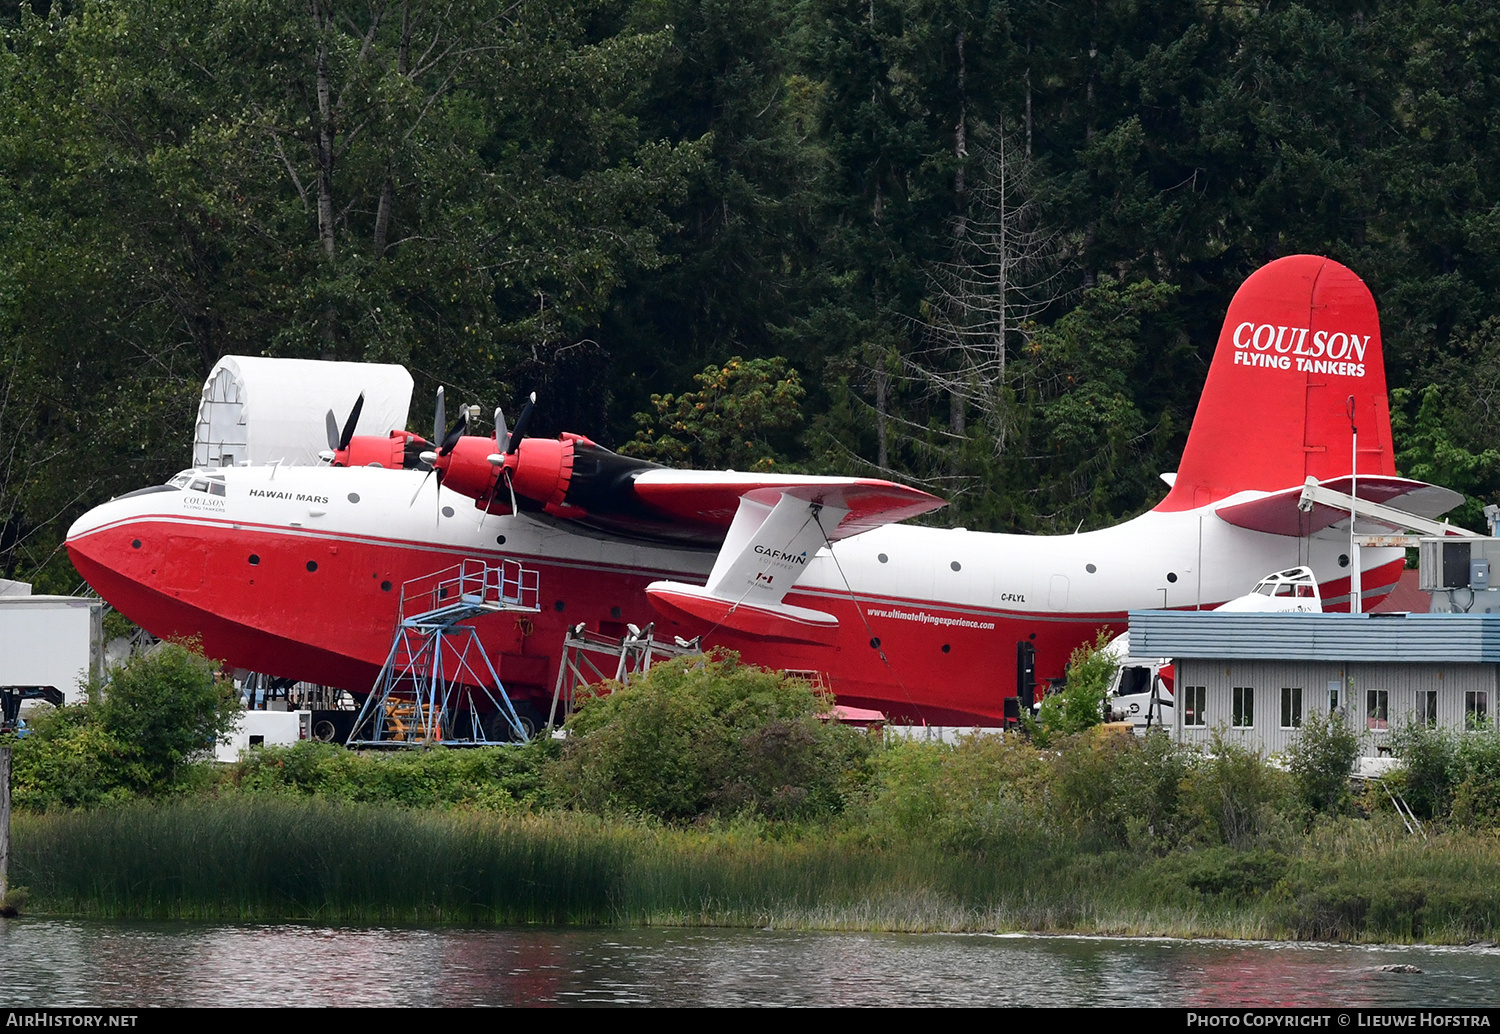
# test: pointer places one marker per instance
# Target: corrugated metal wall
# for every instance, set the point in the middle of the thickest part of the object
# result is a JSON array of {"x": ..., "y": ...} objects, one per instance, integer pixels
[
  {"x": 1355, "y": 680},
  {"x": 1337, "y": 638}
]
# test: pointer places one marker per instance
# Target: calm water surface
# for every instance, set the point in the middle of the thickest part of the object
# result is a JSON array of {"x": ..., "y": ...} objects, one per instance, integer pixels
[{"x": 56, "y": 963}]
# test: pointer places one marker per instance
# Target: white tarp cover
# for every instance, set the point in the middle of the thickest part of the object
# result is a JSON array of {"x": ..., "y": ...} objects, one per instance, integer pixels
[{"x": 258, "y": 410}]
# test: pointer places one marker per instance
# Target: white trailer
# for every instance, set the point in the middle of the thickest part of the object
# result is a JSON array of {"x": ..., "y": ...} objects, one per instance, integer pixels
[
  {"x": 263, "y": 729},
  {"x": 55, "y": 641}
]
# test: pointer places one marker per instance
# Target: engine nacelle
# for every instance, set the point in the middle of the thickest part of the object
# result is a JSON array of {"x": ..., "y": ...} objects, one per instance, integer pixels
[{"x": 401, "y": 450}]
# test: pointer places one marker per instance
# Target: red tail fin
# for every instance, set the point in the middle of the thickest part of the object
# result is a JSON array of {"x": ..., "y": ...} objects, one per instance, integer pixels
[{"x": 1301, "y": 337}]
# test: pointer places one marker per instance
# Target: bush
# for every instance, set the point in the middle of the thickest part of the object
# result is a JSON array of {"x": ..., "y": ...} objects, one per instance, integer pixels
[
  {"x": 1233, "y": 794},
  {"x": 138, "y": 733},
  {"x": 498, "y": 778},
  {"x": 1429, "y": 760},
  {"x": 1080, "y": 705},
  {"x": 1320, "y": 760},
  {"x": 708, "y": 736},
  {"x": 987, "y": 793},
  {"x": 168, "y": 707},
  {"x": 1451, "y": 774}
]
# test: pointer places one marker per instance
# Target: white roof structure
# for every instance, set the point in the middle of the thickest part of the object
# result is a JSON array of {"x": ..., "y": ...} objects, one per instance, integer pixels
[{"x": 259, "y": 410}]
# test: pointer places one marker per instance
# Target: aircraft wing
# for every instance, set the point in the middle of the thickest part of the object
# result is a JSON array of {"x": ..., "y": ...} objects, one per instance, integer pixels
[
  {"x": 776, "y": 531},
  {"x": 1279, "y": 513},
  {"x": 714, "y": 497}
]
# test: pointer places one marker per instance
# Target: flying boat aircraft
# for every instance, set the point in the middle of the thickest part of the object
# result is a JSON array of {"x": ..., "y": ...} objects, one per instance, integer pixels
[{"x": 296, "y": 571}]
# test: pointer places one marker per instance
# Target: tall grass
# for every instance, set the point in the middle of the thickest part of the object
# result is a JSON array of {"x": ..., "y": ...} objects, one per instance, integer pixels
[{"x": 272, "y": 857}]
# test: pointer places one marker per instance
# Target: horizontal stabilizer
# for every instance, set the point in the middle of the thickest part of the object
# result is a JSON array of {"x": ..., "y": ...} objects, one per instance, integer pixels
[
  {"x": 696, "y": 607},
  {"x": 1280, "y": 514},
  {"x": 713, "y": 497}
]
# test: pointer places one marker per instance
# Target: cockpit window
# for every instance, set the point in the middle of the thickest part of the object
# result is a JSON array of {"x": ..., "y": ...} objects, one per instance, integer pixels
[{"x": 198, "y": 481}]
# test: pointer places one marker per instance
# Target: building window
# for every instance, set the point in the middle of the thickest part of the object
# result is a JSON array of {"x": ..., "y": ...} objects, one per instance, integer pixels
[
  {"x": 1427, "y": 707},
  {"x": 1291, "y": 707},
  {"x": 1243, "y": 715},
  {"x": 1334, "y": 696},
  {"x": 1194, "y": 711},
  {"x": 1476, "y": 708},
  {"x": 1377, "y": 708}
]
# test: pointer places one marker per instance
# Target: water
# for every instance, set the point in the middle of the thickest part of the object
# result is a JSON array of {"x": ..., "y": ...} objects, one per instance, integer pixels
[{"x": 86, "y": 963}]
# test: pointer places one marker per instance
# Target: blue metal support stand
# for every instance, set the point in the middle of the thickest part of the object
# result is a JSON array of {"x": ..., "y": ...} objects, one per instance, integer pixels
[{"x": 426, "y": 690}]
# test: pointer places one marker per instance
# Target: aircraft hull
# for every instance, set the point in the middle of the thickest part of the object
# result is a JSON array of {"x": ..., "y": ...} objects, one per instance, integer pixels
[{"x": 302, "y": 588}]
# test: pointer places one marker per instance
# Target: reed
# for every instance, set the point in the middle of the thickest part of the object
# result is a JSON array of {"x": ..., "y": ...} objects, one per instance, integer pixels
[{"x": 268, "y": 857}]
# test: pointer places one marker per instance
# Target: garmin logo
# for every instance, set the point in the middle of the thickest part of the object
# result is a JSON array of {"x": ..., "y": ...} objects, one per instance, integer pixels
[
  {"x": 1284, "y": 348},
  {"x": 778, "y": 555}
]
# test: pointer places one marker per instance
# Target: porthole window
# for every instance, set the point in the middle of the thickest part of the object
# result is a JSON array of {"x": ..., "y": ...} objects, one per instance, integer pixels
[
  {"x": 1090, "y": 568},
  {"x": 1171, "y": 576},
  {"x": 946, "y": 647},
  {"x": 354, "y": 497},
  {"x": 447, "y": 511},
  {"x": 614, "y": 612},
  {"x": 875, "y": 643},
  {"x": 500, "y": 540},
  {"x": 558, "y": 606},
  {"x": 1343, "y": 559},
  {"x": 883, "y": 558},
  {"x": 956, "y": 566},
  {"x": 312, "y": 565},
  {"x": 385, "y": 586},
  {"x": 254, "y": 559},
  {"x": 136, "y": 544}
]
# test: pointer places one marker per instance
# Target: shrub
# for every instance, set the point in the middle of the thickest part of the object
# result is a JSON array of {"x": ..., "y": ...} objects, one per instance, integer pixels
[
  {"x": 1080, "y": 705},
  {"x": 499, "y": 778},
  {"x": 1451, "y": 774},
  {"x": 699, "y": 736},
  {"x": 1233, "y": 793},
  {"x": 167, "y": 707},
  {"x": 987, "y": 793},
  {"x": 1320, "y": 760},
  {"x": 137, "y": 734},
  {"x": 1429, "y": 760}
]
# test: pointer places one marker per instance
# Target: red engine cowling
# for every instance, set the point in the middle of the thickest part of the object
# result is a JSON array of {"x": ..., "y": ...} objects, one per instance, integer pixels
[{"x": 393, "y": 452}]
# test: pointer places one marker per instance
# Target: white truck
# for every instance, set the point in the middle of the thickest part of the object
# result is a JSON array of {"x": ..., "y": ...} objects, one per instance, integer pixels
[{"x": 1142, "y": 691}]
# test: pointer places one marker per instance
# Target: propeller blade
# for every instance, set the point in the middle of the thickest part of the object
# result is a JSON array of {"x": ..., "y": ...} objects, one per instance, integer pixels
[
  {"x": 522, "y": 422},
  {"x": 501, "y": 434},
  {"x": 332, "y": 424},
  {"x": 348, "y": 435},
  {"x": 460, "y": 426},
  {"x": 440, "y": 420},
  {"x": 419, "y": 488}
]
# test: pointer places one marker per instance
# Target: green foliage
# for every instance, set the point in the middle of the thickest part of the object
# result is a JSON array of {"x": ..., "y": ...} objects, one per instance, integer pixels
[
  {"x": 140, "y": 733},
  {"x": 1232, "y": 795},
  {"x": 496, "y": 778},
  {"x": 986, "y": 794},
  {"x": 1450, "y": 774},
  {"x": 1432, "y": 450},
  {"x": 1320, "y": 760},
  {"x": 708, "y": 736},
  {"x": 1080, "y": 704},
  {"x": 167, "y": 706},
  {"x": 69, "y": 761},
  {"x": 729, "y": 421}
]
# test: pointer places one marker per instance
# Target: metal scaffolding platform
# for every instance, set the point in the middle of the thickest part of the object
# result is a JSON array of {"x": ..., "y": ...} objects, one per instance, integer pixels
[
  {"x": 426, "y": 691},
  {"x": 631, "y": 654}
]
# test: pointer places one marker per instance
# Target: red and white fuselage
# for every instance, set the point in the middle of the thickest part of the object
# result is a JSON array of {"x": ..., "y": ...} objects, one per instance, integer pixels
[{"x": 297, "y": 571}]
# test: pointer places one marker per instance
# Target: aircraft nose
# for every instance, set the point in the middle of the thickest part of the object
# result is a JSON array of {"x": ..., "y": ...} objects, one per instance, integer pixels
[{"x": 91, "y": 521}]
